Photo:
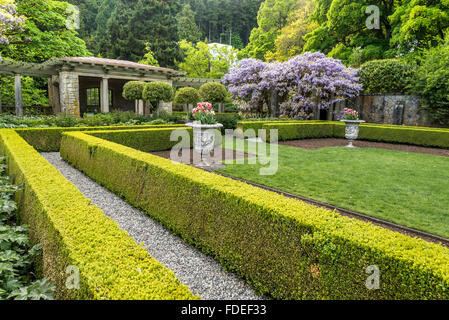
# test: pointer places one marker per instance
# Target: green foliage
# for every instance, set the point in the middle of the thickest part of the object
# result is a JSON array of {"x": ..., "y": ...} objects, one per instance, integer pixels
[
  {"x": 148, "y": 57},
  {"x": 204, "y": 61},
  {"x": 158, "y": 91},
  {"x": 386, "y": 76},
  {"x": 32, "y": 94},
  {"x": 134, "y": 23},
  {"x": 251, "y": 230},
  {"x": 271, "y": 18},
  {"x": 133, "y": 90},
  {"x": 213, "y": 92},
  {"x": 16, "y": 256},
  {"x": 45, "y": 33},
  {"x": 112, "y": 266},
  {"x": 187, "y": 96},
  {"x": 187, "y": 28},
  {"x": 432, "y": 82}
]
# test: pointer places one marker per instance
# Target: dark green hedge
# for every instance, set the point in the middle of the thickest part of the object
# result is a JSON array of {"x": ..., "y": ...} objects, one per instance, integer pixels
[
  {"x": 283, "y": 247},
  {"x": 73, "y": 232},
  {"x": 49, "y": 139},
  {"x": 148, "y": 140},
  {"x": 386, "y": 76}
]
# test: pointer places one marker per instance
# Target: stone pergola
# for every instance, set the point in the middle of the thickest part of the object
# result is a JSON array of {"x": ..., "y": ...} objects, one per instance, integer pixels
[{"x": 81, "y": 84}]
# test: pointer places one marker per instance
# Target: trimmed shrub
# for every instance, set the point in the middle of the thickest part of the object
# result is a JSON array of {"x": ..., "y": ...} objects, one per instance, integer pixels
[
  {"x": 386, "y": 76},
  {"x": 133, "y": 90},
  {"x": 148, "y": 140},
  {"x": 187, "y": 96},
  {"x": 158, "y": 91},
  {"x": 285, "y": 248},
  {"x": 420, "y": 136},
  {"x": 213, "y": 92},
  {"x": 256, "y": 125},
  {"x": 74, "y": 232},
  {"x": 49, "y": 139}
]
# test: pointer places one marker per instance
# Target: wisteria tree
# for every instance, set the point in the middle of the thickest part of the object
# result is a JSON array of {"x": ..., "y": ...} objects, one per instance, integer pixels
[
  {"x": 311, "y": 82},
  {"x": 244, "y": 83},
  {"x": 302, "y": 85},
  {"x": 10, "y": 20}
]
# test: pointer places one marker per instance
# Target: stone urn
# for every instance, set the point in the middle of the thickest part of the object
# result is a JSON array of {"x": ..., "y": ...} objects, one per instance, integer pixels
[
  {"x": 204, "y": 139},
  {"x": 352, "y": 130}
]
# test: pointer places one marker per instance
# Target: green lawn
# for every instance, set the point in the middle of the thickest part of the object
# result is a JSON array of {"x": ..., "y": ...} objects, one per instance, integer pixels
[{"x": 405, "y": 188}]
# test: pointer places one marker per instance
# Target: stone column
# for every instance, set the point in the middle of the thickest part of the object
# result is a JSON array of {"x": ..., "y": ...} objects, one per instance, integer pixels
[
  {"x": 69, "y": 93},
  {"x": 104, "y": 95},
  {"x": 18, "y": 94}
]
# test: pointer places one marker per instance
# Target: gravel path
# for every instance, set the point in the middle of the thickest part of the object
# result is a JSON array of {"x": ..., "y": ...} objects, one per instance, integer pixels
[{"x": 201, "y": 273}]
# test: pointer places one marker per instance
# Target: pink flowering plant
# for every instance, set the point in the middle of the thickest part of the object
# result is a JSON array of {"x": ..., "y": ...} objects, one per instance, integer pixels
[
  {"x": 350, "y": 114},
  {"x": 204, "y": 113}
]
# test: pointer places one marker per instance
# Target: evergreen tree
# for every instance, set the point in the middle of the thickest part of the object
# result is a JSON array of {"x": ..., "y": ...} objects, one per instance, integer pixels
[
  {"x": 187, "y": 28},
  {"x": 136, "y": 22}
]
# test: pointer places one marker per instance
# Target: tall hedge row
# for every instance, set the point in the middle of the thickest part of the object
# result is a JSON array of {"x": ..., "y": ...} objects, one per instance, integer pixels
[
  {"x": 76, "y": 233},
  {"x": 285, "y": 248}
]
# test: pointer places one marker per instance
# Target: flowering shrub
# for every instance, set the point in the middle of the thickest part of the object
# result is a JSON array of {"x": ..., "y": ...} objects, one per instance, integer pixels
[
  {"x": 303, "y": 83},
  {"x": 204, "y": 113},
  {"x": 350, "y": 114},
  {"x": 10, "y": 20}
]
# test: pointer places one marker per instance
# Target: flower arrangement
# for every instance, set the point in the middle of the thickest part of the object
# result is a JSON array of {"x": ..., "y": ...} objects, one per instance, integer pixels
[
  {"x": 350, "y": 114},
  {"x": 204, "y": 113}
]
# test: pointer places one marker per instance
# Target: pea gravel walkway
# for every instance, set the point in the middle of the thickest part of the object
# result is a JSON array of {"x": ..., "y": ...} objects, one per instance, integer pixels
[{"x": 201, "y": 273}]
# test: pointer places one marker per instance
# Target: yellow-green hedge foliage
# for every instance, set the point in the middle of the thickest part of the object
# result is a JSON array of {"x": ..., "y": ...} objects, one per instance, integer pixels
[
  {"x": 420, "y": 136},
  {"x": 148, "y": 140},
  {"x": 283, "y": 247},
  {"x": 49, "y": 139},
  {"x": 75, "y": 232}
]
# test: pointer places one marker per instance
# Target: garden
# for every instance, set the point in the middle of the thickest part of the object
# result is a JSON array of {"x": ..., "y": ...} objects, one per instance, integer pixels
[{"x": 286, "y": 170}]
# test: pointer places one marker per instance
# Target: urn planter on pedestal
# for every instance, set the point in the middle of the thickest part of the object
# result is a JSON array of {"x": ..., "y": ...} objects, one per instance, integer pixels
[
  {"x": 352, "y": 130},
  {"x": 204, "y": 139}
]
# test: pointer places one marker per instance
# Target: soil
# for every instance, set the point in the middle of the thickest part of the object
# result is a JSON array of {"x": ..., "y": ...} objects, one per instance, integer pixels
[{"x": 313, "y": 144}]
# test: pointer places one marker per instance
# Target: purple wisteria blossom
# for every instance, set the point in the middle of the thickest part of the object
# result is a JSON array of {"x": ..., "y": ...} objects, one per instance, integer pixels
[
  {"x": 244, "y": 83},
  {"x": 9, "y": 20},
  {"x": 304, "y": 83}
]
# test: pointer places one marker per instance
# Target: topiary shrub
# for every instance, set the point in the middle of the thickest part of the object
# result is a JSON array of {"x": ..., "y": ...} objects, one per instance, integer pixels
[
  {"x": 386, "y": 76},
  {"x": 158, "y": 91},
  {"x": 213, "y": 92},
  {"x": 133, "y": 90},
  {"x": 187, "y": 96}
]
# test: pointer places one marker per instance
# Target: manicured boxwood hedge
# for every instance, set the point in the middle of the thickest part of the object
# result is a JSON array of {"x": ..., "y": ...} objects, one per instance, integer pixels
[
  {"x": 75, "y": 232},
  {"x": 49, "y": 139},
  {"x": 285, "y": 248},
  {"x": 243, "y": 126},
  {"x": 148, "y": 140},
  {"x": 420, "y": 136}
]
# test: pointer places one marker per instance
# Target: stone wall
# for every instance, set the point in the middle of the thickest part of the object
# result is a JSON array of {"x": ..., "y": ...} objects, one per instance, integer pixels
[
  {"x": 389, "y": 109},
  {"x": 69, "y": 93}
]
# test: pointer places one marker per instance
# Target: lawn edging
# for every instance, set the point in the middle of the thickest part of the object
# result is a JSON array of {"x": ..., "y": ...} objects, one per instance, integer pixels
[
  {"x": 285, "y": 248},
  {"x": 76, "y": 233}
]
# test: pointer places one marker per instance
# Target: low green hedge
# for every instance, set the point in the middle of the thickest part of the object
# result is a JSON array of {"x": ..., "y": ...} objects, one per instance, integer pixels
[
  {"x": 49, "y": 139},
  {"x": 148, "y": 140},
  {"x": 283, "y": 247},
  {"x": 74, "y": 232},
  {"x": 420, "y": 136},
  {"x": 243, "y": 126}
]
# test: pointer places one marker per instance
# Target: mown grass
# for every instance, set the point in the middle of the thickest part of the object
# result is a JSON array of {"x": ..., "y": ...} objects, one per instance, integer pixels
[{"x": 405, "y": 188}]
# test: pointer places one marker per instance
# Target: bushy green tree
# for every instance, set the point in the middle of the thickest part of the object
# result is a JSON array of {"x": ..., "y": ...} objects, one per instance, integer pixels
[
  {"x": 213, "y": 92},
  {"x": 158, "y": 91},
  {"x": 187, "y": 96},
  {"x": 45, "y": 34},
  {"x": 148, "y": 57},
  {"x": 271, "y": 18},
  {"x": 432, "y": 82},
  {"x": 133, "y": 90}
]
